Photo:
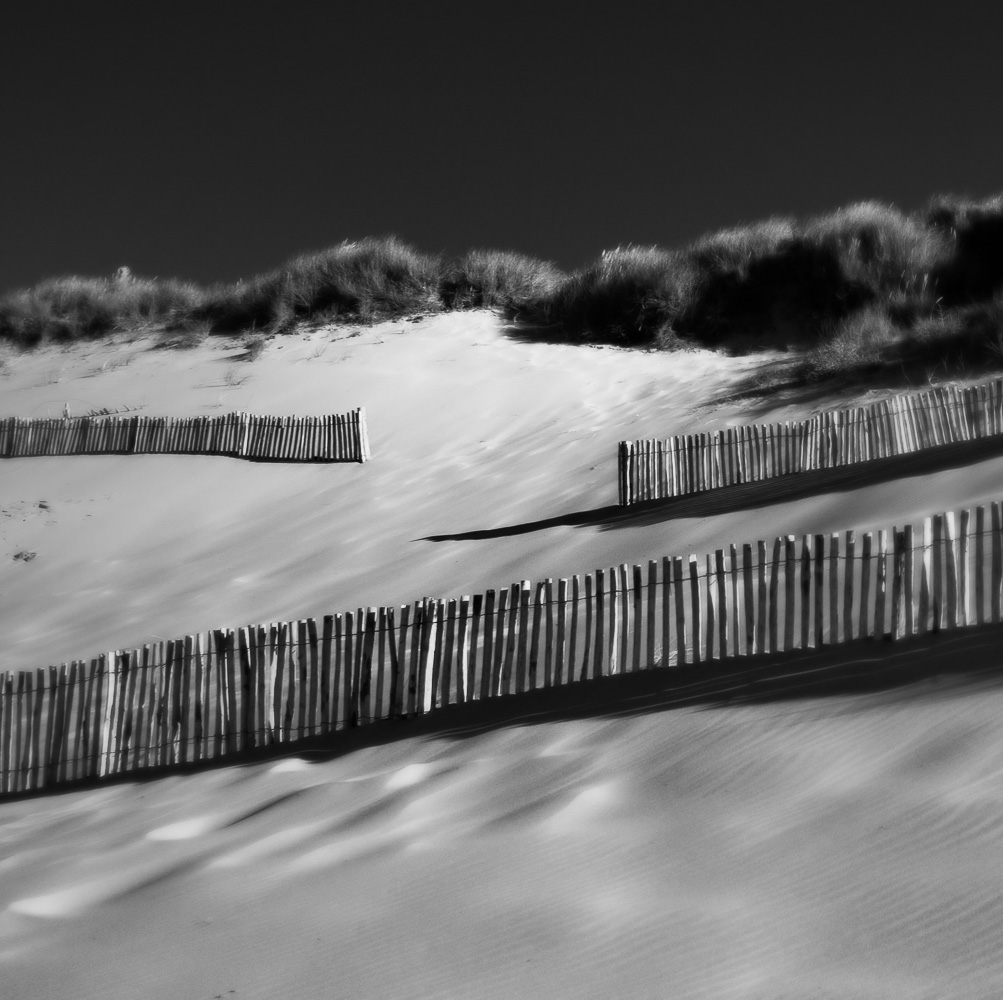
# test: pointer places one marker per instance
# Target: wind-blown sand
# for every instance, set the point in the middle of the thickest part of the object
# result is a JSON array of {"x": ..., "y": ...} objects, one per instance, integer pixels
[{"x": 809, "y": 846}]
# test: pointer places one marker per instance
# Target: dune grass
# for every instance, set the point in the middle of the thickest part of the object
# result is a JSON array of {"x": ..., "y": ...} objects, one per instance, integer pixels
[
  {"x": 370, "y": 279},
  {"x": 497, "y": 279},
  {"x": 64, "y": 309},
  {"x": 860, "y": 290}
]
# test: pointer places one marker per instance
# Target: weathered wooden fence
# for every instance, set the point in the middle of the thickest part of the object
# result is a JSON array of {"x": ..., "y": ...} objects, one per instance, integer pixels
[
  {"x": 330, "y": 438},
  {"x": 690, "y": 463},
  {"x": 207, "y": 695}
]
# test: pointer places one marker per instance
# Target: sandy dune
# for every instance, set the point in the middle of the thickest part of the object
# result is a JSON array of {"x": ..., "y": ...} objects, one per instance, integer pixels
[{"x": 844, "y": 845}]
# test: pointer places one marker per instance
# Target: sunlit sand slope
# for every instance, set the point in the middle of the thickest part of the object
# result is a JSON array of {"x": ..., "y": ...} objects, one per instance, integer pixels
[
  {"x": 844, "y": 846},
  {"x": 841, "y": 847}
]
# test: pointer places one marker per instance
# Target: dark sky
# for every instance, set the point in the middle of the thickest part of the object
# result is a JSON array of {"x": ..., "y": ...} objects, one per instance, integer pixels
[{"x": 212, "y": 141}]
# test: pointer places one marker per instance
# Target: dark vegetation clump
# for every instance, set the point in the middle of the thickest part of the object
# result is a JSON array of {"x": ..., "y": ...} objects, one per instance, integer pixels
[
  {"x": 775, "y": 283},
  {"x": 65, "y": 309},
  {"x": 861, "y": 291},
  {"x": 497, "y": 279},
  {"x": 622, "y": 298},
  {"x": 367, "y": 280}
]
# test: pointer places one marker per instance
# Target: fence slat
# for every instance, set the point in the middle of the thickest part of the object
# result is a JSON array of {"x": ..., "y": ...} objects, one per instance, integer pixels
[
  {"x": 633, "y": 636},
  {"x": 722, "y": 604},
  {"x": 523, "y": 643},
  {"x": 790, "y": 584},
  {"x": 616, "y": 624},
  {"x": 487, "y": 660},
  {"x": 865, "y": 585},
  {"x": 881, "y": 585},
  {"x": 573, "y": 632},
  {"x": 747, "y": 584},
  {"x": 909, "y": 586},
  {"x": 695, "y": 608},
  {"x": 600, "y": 598},
  {"x": 500, "y": 643},
  {"x": 805, "y": 590},
  {"x": 365, "y": 702},
  {"x": 560, "y": 650},
  {"x": 980, "y": 562},
  {"x": 996, "y": 580},
  {"x": 951, "y": 597},
  {"x": 710, "y": 609},
  {"x": 311, "y": 651},
  {"x": 680, "y": 599},
  {"x": 548, "y": 638},
  {"x": 964, "y": 591},
  {"x": 774, "y": 601},
  {"x": 819, "y": 587},
  {"x": 476, "y": 615},
  {"x": 396, "y": 633},
  {"x": 7, "y": 760},
  {"x": 848, "y": 587},
  {"x": 898, "y": 583},
  {"x": 532, "y": 675},
  {"x": 446, "y": 675},
  {"x": 462, "y": 655},
  {"x": 414, "y": 665},
  {"x": 511, "y": 637},
  {"x": 734, "y": 614}
]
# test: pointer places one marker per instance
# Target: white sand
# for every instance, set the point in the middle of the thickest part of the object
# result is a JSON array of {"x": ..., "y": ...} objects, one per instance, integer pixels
[{"x": 840, "y": 847}]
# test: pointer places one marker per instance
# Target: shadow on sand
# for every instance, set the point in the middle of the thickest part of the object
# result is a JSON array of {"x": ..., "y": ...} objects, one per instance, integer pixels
[
  {"x": 940, "y": 663},
  {"x": 746, "y": 496}
]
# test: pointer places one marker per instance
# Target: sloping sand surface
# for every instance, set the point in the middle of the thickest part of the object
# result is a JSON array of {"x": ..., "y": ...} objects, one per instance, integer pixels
[{"x": 837, "y": 846}]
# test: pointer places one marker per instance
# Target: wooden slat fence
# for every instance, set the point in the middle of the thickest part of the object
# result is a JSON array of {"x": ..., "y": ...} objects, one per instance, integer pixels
[
  {"x": 691, "y": 463},
  {"x": 329, "y": 438},
  {"x": 203, "y": 696}
]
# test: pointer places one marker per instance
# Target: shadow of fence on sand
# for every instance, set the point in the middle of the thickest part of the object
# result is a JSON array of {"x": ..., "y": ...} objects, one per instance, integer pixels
[
  {"x": 747, "y": 496},
  {"x": 938, "y": 663}
]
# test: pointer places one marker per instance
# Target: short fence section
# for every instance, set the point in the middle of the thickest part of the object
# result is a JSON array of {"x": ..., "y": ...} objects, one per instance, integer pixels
[
  {"x": 330, "y": 438},
  {"x": 691, "y": 463},
  {"x": 208, "y": 695}
]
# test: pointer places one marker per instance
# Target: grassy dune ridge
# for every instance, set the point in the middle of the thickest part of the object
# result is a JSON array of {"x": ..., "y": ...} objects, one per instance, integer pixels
[{"x": 863, "y": 289}]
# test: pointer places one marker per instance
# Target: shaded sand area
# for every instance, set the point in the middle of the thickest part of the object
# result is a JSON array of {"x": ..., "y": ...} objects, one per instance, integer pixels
[{"x": 731, "y": 840}]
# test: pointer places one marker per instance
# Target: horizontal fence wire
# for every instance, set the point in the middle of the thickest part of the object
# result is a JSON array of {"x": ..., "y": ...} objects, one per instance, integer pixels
[
  {"x": 661, "y": 468},
  {"x": 203, "y": 696},
  {"x": 328, "y": 438}
]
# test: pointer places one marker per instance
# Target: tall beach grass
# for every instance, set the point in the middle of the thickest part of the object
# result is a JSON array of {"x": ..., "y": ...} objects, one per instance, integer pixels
[{"x": 862, "y": 288}]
